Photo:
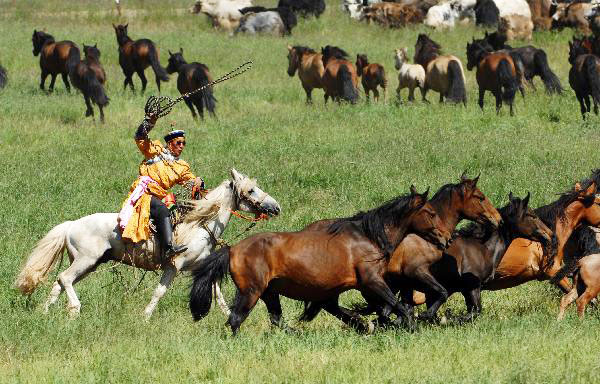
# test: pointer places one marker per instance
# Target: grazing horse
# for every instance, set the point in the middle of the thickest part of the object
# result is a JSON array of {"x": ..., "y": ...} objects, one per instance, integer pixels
[
  {"x": 89, "y": 77},
  {"x": 526, "y": 260},
  {"x": 136, "y": 56},
  {"x": 496, "y": 72},
  {"x": 55, "y": 57},
  {"x": 317, "y": 265},
  {"x": 584, "y": 76},
  {"x": 373, "y": 75},
  {"x": 96, "y": 239},
  {"x": 443, "y": 74},
  {"x": 189, "y": 78},
  {"x": 309, "y": 65},
  {"x": 340, "y": 80},
  {"x": 410, "y": 76}
]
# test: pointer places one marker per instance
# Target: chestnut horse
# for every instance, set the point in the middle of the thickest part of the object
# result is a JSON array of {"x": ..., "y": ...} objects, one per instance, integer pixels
[
  {"x": 309, "y": 65},
  {"x": 584, "y": 75},
  {"x": 443, "y": 74},
  {"x": 373, "y": 75},
  {"x": 189, "y": 78},
  {"x": 136, "y": 56},
  {"x": 526, "y": 260},
  {"x": 55, "y": 57},
  {"x": 89, "y": 77},
  {"x": 496, "y": 72},
  {"x": 340, "y": 81},
  {"x": 317, "y": 265}
]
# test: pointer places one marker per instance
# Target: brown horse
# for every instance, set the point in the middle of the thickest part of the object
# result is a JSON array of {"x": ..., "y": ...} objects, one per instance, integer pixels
[
  {"x": 89, "y": 77},
  {"x": 443, "y": 74},
  {"x": 340, "y": 81},
  {"x": 136, "y": 56},
  {"x": 373, "y": 75},
  {"x": 55, "y": 57},
  {"x": 191, "y": 77},
  {"x": 317, "y": 265},
  {"x": 309, "y": 65},
  {"x": 526, "y": 260},
  {"x": 496, "y": 72}
]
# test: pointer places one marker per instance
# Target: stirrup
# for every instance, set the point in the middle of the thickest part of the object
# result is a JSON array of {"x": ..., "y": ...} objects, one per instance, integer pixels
[{"x": 173, "y": 250}]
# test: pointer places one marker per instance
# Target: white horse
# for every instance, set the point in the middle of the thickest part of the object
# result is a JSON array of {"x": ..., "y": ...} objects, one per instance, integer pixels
[
  {"x": 96, "y": 239},
  {"x": 410, "y": 76},
  {"x": 445, "y": 15}
]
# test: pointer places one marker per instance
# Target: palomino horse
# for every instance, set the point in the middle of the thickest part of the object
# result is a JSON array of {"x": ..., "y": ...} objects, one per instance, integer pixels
[
  {"x": 495, "y": 72},
  {"x": 89, "y": 77},
  {"x": 136, "y": 56},
  {"x": 96, "y": 239},
  {"x": 410, "y": 76},
  {"x": 526, "y": 260},
  {"x": 189, "y": 78},
  {"x": 316, "y": 265},
  {"x": 373, "y": 75},
  {"x": 340, "y": 81},
  {"x": 55, "y": 57},
  {"x": 310, "y": 68},
  {"x": 584, "y": 75},
  {"x": 443, "y": 74}
]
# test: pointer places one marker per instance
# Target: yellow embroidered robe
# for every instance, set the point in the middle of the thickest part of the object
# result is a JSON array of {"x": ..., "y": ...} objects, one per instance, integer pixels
[{"x": 166, "y": 170}]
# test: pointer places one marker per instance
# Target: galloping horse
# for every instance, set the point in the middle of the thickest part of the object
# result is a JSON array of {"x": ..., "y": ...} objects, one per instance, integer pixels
[
  {"x": 309, "y": 65},
  {"x": 89, "y": 77},
  {"x": 317, "y": 265},
  {"x": 526, "y": 260},
  {"x": 373, "y": 75},
  {"x": 96, "y": 239},
  {"x": 584, "y": 75},
  {"x": 136, "y": 56},
  {"x": 191, "y": 77},
  {"x": 443, "y": 74},
  {"x": 55, "y": 57},
  {"x": 340, "y": 81},
  {"x": 496, "y": 72}
]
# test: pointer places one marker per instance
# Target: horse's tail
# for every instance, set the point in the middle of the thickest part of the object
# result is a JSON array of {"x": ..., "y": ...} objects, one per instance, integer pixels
[
  {"x": 591, "y": 73},
  {"x": 349, "y": 92},
  {"x": 3, "y": 77},
  {"x": 456, "y": 89},
  {"x": 551, "y": 81},
  {"x": 159, "y": 71},
  {"x": 381, "y": 78},
  {"x": 42, "y": 258},
  {"x": 73, "y": 59},
  {"x": 211, "y": 270},
  {"x": 206, "y": 95},
  {"x": 507, "y": 81},
  {"x": 94, "y": 89}
]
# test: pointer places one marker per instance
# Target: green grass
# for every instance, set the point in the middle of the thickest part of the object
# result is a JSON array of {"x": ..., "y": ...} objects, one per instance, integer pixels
[{"x": 318, "y": 162}]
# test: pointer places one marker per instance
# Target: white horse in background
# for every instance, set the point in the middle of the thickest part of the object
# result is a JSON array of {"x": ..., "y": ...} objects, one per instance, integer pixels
[
  {"x": 95, "y": 239},
  {"x": 445, "y": 15},
  {"x": 410, "y": 76}
]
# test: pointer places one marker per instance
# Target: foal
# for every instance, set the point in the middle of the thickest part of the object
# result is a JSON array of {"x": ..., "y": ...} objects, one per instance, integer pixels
[
  {"x": 191, "y": 77},
  {"x": 89, "y": 77},
  {"x": 309, "y": 65},
  {"x": 373, "y": 75},
  {"x": 55, "y": 57},
  {"x": 410, "y": 76},
  {"x": 136, "y": 56}
]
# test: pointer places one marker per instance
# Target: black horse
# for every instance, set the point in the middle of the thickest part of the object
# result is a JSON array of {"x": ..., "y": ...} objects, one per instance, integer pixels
[{"x": 584, "y": 75}]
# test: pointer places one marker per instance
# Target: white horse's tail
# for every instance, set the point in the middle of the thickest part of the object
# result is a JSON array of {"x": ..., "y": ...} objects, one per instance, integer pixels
[{"x": 43, "y": 258}]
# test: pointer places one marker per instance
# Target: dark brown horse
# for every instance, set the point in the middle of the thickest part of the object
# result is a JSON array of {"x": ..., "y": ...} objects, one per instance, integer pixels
[
  {"x": 55, "y": 58},
  {"x": 89, "y": 77},
  {"x": 136, "y": 56},
  {"x": 373, "y": 75},
  {"x": 339, "y": 81},
  {"x": 584, "y": 75},
  {"x": 189, "y": 78},
  {"x": 317, "y": 265},
  {"x": 496, "y": 72}
]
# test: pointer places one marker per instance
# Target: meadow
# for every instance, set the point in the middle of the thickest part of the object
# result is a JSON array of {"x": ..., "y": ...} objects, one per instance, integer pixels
[{"x": 318, "y": 161}]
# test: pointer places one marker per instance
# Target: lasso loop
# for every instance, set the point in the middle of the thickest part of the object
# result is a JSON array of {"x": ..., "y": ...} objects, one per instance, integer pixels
[{"x": 163, "y": 105}]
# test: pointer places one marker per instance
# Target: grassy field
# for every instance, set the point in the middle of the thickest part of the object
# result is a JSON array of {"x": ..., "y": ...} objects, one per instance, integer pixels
[{"x": 318, "y": 162}]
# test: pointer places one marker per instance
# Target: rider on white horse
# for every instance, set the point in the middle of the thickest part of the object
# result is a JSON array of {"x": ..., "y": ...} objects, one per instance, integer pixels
[{"x": 160, "y": 170}]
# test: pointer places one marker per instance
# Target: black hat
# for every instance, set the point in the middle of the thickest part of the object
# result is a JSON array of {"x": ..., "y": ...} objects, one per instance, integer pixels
[{"x": 174, "y": 134}]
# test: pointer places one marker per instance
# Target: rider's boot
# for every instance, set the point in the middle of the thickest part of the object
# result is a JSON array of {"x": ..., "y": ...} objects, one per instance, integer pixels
[{"x": 166, "y": 231}]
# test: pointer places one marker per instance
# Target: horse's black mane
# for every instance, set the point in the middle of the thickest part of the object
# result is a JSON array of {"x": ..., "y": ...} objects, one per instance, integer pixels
[
  {"x": 445, "y": 192},
  {"x": 426, "y": 49},
  {"x": 301, "y": 50},
  {"x": 484, "y": 231},
  {"x": 372, "y": 223},
  {"x": 333, "y": 51},
  {"x": 552, "y": 212}
]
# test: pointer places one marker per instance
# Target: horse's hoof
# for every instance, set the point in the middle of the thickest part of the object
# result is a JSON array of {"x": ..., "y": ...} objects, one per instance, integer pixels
[
  {"x": 89, "y": 113},
  {"x": 370, "y": 328}
]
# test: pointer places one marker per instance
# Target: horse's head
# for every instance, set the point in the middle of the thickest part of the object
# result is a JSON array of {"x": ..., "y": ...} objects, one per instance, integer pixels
[
  {"x": 176, "y": 60},
  {"x": 475, "y": 52},
  {"x": 91, "y": 52},
  {"x": 521, "y": 221},
  {"x": 293, "y": 60},
  {"x": 361, "y": 62},
  {"x": 38, "y": 39},
  {"x": 578, "y": 47},
  {"x": 425, "y": 49},
  {"x": 196, "y": 7},
  {"x": 400, "y": 57},
  {"x": 590, "y": 202},
  {"x": 474, "y": 205},
  {"x": 121, "y": 31},
  {"x": 250, "y": 198},
  {"x": 426, "y": 222}
]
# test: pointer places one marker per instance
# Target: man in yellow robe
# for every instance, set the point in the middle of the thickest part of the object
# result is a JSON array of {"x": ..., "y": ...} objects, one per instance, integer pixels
[{"x": 160, "y": 170}]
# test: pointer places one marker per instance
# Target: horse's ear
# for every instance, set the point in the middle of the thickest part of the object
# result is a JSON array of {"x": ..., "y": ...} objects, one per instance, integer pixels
[
  {"x": 413, "y": 190},
  {"x": 126, "y": 25},
  {"x": 510, "y": 197},
  {"x": 34, "y": 31},
  {"x": 170, "y": 53},
  {"x": 463, "y": 176},
  {"x": 96, "y": 45},
  {"x": 289, "y": 47},
  {"x": 424, "y": 194},
  {"x": 114, "y": 26},
  {"x": 180, "y": 50},
  {"x": 235, "y": 174},
  {"x": 526, "y": 200},
  {"x": 475, "y": 180},
  {"x": 577, "y": 187}
]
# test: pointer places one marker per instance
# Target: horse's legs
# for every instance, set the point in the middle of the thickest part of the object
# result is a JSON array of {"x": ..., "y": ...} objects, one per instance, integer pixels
[
  {"x": 441, "y": 97},
  {"x": 308, "y": 95},
  {"x": 66, "y": 81},
  {"x": 411, "y": 93},
  {"x": 498, "y": 96},
  {"x": 565, "y": 301},
  {"x": 582, "y": 301},
  {"x": 582, "y": 107},
  {"x": 376, "y": 94},
  {"x": 473, "y": 303},
  {"x": 271, "y": 300},
  {"x": 347, "y": 316},
  {"x": 140, "y": 73},
  {"x": 101, "y": 113},
  {"x": 80, "y": 267},
  {"x": 243, "y": 304},
  {"x": 54, "y": 293},
  {"x": 424, "y": 94},
  {"x": 129, "y": 80},
  {"x": 424, "y": 276},
  {"x": 399, "y": 96},
  {"x": 52, "y": 80},
  {"x": 190, "y": 105},
  {"x": 199, "y": 106},
  {"x": 43, "y": 79},
  {"x": 587, "y": 103},
  {"x": 376, "y": 286},
  {"x": 89, "y": 111},
  {"x": 481, "y": 96},
  {"x": 326, "y": 97},
  {"x": 166, "y": 279}
]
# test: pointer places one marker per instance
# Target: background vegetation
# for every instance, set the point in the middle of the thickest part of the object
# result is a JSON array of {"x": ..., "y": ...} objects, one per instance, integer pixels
[{"x": 319, "y": 161}]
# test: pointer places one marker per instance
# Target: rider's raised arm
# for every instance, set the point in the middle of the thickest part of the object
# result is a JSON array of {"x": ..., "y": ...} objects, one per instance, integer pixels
[{"x": 148, "y": 148}]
